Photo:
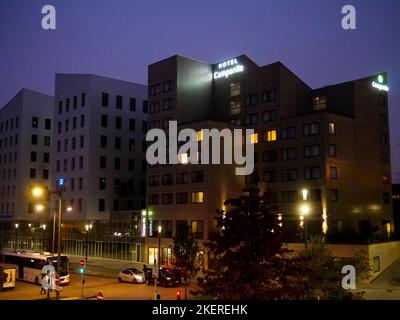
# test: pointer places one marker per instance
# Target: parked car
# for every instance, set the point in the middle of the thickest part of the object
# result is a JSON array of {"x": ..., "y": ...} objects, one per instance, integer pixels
[
  {"x": 166, "y": 277},
  {"x": 132, "y": 275}
]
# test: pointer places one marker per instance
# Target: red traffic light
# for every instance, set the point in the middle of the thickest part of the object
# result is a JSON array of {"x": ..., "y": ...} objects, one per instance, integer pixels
[{"x": 178, "y": 295}]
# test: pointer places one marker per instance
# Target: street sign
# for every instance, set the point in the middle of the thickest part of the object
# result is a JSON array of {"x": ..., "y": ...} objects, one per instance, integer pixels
[
  {"x": 100, "y": 295},
  {"x": 82, "y": 263},
  {"x": 61, "y": 182}
]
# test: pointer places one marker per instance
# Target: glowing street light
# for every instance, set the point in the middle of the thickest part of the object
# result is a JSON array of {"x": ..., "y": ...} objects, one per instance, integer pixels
[
  {"x": 39, "y": 207},
  {"x": 305, "y": 209},
  {"x": 69, "y": 209},
  {"x": 37, "y": 191},
  {"x": 304, "y": 192},
  {"x": 44, "y": 227}
]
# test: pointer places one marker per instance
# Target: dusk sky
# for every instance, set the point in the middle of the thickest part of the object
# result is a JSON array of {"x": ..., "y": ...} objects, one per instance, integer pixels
[{"x": 120, "y": 38}]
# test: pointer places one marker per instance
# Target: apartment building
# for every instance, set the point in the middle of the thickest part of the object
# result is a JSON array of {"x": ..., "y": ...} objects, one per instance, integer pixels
[
  {"x": 99, "y": 132},
  {"x": 25, "y": 153},
  {"x": 332, "y": 142}
]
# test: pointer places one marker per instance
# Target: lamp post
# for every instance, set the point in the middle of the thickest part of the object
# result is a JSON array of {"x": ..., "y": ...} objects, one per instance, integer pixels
[
  {"x": 87, "y": 227},
  {"x": 38, "y": 192},
  {"x": 16, "y": 236},
  {"x": 159, "y": 249},
  {"x": 305, "y": 210}
]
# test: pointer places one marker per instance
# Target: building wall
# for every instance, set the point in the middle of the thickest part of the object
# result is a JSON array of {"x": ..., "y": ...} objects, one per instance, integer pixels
[
  {"x": 17, "y": 164},
  {"x": 69, "y": 85}
]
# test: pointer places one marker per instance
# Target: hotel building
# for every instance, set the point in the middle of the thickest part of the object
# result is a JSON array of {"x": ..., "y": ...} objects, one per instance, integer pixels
[{"x": 331, "y": 141}]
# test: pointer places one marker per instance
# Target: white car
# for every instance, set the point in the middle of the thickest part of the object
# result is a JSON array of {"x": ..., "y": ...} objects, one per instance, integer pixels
[{"x": 131, "y": 275}]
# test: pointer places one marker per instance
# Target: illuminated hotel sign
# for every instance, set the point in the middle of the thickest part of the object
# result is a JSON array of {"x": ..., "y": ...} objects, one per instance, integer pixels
[
  {"x": 227, "y": 68},
  {"x": 379, "y": 85}
]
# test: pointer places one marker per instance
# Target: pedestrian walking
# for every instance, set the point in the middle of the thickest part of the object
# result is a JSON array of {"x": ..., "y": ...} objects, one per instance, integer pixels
[{"x": 44, "y": 283}]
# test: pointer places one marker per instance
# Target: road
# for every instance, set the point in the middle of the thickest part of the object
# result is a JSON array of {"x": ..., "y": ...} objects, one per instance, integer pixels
[{"x": 112, "y": 289}]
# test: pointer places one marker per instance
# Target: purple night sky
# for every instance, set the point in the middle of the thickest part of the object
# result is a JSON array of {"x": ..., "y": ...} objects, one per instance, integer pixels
[{"x": 119, "y": 38}]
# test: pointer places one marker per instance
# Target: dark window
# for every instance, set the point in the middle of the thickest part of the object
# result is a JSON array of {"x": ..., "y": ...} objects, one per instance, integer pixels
[
  {"x": 385, "y": 158},
  {"x": 73, "y": 143},
  {"x": 32, "y": 173},
  {"x": 144, "y": 126},
  {"x": 311, "y": 151},
  {"x": 74, "y": 123},
  {"x": 144, "y": 106},
  {"x": 102, "y": 205},
  {"x": 131, "y": 164},
  {"x": 132, "y": 104},
  {"x": 251, "y": 100},
  {"x": 166, "y": 122},
  {"x": 103, "y": 141},
  {"x": 81, "y": 162},
  {"x": 81, "y": 141},
  {"x": 197, "y": 176},
  {"x": 312, "y": 173},
  {"x": 75, "y": 102},
  {"x": 383, "y": 139},
  {"x": 268, "y": 96},
  {"x": 251, "y": 119},
  {"x": 59, "y": 107},
  {"x": 83, "y": 99},
  {"x": 131, "y": 144},
  {"x": 118, "y": 102},
  {"x": 155, "y": 89},
  {"x": 382, "y": 100},
  {"x": 288, "y": 154},
  {"x": 333, "y": 173},
  {"x": 311, "y": 129},
  {"x": 332, "y": 150},
  {"x": 319, "y": 103},
  {"x": 154, "y": 107},
  {"x": 181, "y": 178},
  {"x": 168, "y": 104},
  {"x": 45, "y": 174},
  {"x": 289, "y": 196},
  {"x": 104, "y": 99},
  {"x": 268, "y": 116},
  {"x": 66, "y": 125},
  {"x": 82, "y": 120},
  {"x": 289, "y": 175},
  {"x": 153, "y": 199},
  {"x": 288, "y": 133},
  {"x": 103, "y": 162},
  {"x": 382, "y": 119},
  {"x": 168, "y": 85},
  {"x": 270, "y": 156},
  {"x": 34, "y": 139},
  {"x": 167, "y": 198},
  {"x": 104, "y": 120},
  {"x": 334, "y": 195},
  {"x": 154, "y": 181},
  {"x": 47, "y": 141},
  {"x": 33, "y": 156},
  {"x": 118, "y": 123},
  {"x": 270, "y": 176},
  {"x": 117, "y": 143},
  {"x": 46, "y": 157},
  {"x": 67, "y": 105},
  {"x": 117, "y": 163},
  {"x": 132, "y": 124},
  {"x": 102, "y": 183},
  {"x": 181, "y": 197},
  {"x": 167, "y": 179},
  {"x": 47, "y": 124},
  {"x": 35, "y": 122}
]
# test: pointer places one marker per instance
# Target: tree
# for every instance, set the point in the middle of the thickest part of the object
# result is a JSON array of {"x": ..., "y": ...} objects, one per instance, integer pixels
[
  {"x": 246, "y": 258},
  {"x": 185, "y": 250}
]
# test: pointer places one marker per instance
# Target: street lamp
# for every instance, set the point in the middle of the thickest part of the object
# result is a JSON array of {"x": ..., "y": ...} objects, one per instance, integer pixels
[
  {"x": 87, "y": 227},
  {"x": 159, "y": 248},
  {"x": 16, "y": 236},
  {"x": 305, "y": 210},
  {"x": 39, "y": 207},
  {"x": 39, "y": 191}
]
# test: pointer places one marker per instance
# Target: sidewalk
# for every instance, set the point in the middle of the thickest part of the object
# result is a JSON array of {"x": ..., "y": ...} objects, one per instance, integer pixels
[{"x": 105, "y": 268}]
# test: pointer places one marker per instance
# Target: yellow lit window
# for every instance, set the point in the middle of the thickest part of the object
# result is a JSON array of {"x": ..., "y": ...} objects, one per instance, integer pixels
[
  {"x": 198, "y": 197},
  {"x": 200, "y": 135},
  {"x": 254, "y": 138},
  {"x": 271, "y": 135}
]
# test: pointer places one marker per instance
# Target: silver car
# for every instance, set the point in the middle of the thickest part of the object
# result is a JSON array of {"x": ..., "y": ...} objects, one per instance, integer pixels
[{"x": 131, "y": 275}]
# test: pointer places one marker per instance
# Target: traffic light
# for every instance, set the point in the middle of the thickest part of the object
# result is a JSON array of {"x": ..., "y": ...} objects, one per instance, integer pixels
[
  {"x": 81, "y": 270},
  {"x": 178, "y": 295}
]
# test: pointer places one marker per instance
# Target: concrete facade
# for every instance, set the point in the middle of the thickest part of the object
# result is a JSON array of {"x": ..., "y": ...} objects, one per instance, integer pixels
[{"x": 25, "y": 151}]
